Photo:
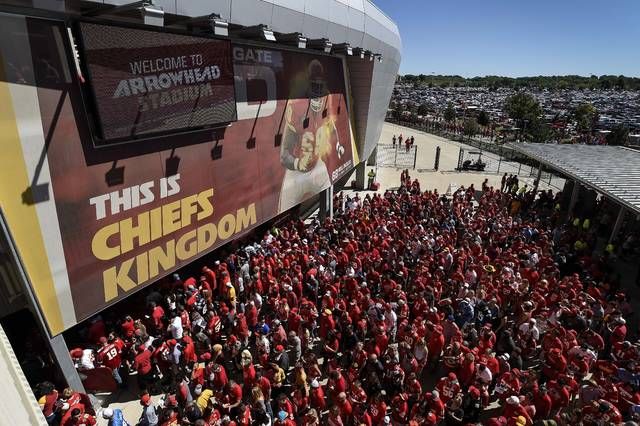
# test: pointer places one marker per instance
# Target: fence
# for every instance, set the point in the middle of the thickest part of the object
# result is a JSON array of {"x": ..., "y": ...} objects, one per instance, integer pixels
[
  {"x": 499, "y": 158},
  {"x": 397, "y": 156}
]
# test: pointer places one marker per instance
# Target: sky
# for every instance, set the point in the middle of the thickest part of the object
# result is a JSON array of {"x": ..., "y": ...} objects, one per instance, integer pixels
[{"x": 517, "y": 37}]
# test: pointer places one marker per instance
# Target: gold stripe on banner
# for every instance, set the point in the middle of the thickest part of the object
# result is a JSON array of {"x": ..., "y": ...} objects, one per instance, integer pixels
[{"x": 22, "y": 218}]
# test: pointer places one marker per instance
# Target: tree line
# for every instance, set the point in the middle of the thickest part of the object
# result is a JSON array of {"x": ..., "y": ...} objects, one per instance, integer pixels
[
  {"x": 527, "y": 115},
  {"x": 606, "y": 82}
]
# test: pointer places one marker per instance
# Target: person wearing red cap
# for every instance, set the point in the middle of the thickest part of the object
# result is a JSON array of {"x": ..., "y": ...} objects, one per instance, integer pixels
[
  {"x": 128, "y": 327},
  {"x": 109, "y": 355},
  {"x": 448, "y": 387},
  {"x": 555, "y": 363},
  {"x": 149, "y": 416},
  {"x": 508, "y": 384},
  {"x": 472, "y": 405},
  {"x": 399, "y": 409}
]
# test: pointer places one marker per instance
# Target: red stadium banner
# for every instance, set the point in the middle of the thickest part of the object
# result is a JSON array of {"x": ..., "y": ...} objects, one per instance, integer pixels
[{"x": 130, "y": 214}]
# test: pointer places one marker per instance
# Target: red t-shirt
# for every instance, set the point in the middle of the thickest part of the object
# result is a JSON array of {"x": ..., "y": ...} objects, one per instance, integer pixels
[
  {"x": 109, "y": 355},
  {"x": 142, "y": 362},
  {"x": 235, "y": 394},
  {"x": 157, "y": 315}
]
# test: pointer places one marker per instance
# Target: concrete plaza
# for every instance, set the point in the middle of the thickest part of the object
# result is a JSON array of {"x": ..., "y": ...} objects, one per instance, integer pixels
[{"x": 426, "y": 143}]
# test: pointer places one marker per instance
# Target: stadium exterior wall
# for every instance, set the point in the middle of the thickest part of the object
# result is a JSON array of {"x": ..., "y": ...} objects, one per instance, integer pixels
[{"x": 48, "y": 219}]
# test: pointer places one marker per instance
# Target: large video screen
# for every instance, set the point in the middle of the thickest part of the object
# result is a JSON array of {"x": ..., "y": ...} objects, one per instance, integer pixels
[{"x": 148, "y": 82}]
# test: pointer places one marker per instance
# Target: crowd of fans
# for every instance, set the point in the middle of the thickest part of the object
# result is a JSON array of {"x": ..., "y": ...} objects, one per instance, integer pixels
[{"x": 406, "y": 308}]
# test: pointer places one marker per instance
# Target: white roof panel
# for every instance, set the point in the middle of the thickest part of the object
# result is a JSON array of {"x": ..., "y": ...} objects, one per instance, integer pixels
[{"x": 610, "y": 170}]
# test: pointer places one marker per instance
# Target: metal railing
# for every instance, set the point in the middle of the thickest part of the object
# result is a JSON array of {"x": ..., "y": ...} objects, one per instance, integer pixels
[
  {"x": 500, "y": 158},
  {"x": 397, "y": 156}
]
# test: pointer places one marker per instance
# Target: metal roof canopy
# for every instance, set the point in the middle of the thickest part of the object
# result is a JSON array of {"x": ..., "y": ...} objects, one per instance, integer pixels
[{"x": 611, "y": 170}]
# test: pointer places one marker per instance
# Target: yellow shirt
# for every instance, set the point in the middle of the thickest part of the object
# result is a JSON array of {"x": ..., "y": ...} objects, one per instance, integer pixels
[
  {"x": 203, "y": 399},
  {"x": 231, "y": 293}
]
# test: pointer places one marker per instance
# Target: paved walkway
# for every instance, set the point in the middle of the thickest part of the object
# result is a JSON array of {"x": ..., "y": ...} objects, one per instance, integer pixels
[{"x": 389, "y": 177}]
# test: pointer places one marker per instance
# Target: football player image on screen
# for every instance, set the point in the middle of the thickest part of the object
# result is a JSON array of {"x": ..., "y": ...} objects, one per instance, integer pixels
[{"x": 309, "y": 136}]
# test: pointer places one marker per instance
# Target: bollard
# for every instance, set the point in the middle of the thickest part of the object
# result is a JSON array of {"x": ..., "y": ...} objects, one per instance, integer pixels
[{"x": 437, "y": 162}]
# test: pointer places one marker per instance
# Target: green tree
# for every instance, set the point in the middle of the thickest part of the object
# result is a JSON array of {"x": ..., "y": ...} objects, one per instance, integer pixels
[
  {"x": 449, "y": 113},
  {"x": 471, "y": 127},
  {"x": 619, "y": 135},
  {"x": 539, "y": 132},
  {"x": 483, "y": 118},
  {"x": 398, "y": 112},
  {"x": 522, "y": 107},
  {"x": 586, "y": 117}
]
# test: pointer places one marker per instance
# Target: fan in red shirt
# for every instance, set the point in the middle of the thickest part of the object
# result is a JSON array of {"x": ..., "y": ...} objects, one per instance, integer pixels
[
  {"x": 601, "y": 412},
  {"x": 377, "y": 409},
  {"x": 399, "y": 408},
  {"x": 78, "y": 418},
  {"x": 110, "y": 353},
  {"x": 542, "y": 402},
  {"x": 157, "y": 315},
  {"x": 336, "y": 384},
  {"x": 448, "y": 387},
  {"x": 346, "y": 410},
  {"x": 142, "y": 364},
  {"x": 316, "y": 398}
]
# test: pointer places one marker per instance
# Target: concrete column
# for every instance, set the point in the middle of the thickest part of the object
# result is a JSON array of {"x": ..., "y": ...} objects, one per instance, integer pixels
[
  {"x": 537, "y": 182},
  {"x": 373, "y": 158},
  {"x": 618, "y": 224},
  {"x": 61, "y": 352},
  {"x": 361, "y": 176},
  {"x": 326, "y": 204},
  {"x": 574, "y": 197}
]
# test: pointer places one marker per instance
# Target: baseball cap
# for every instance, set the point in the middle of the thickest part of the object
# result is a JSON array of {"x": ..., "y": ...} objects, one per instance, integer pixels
[
  {"x": 513, "y": 400},
  {"x": 107, "y": 413},
  {"x": 474, "y": 391}
]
